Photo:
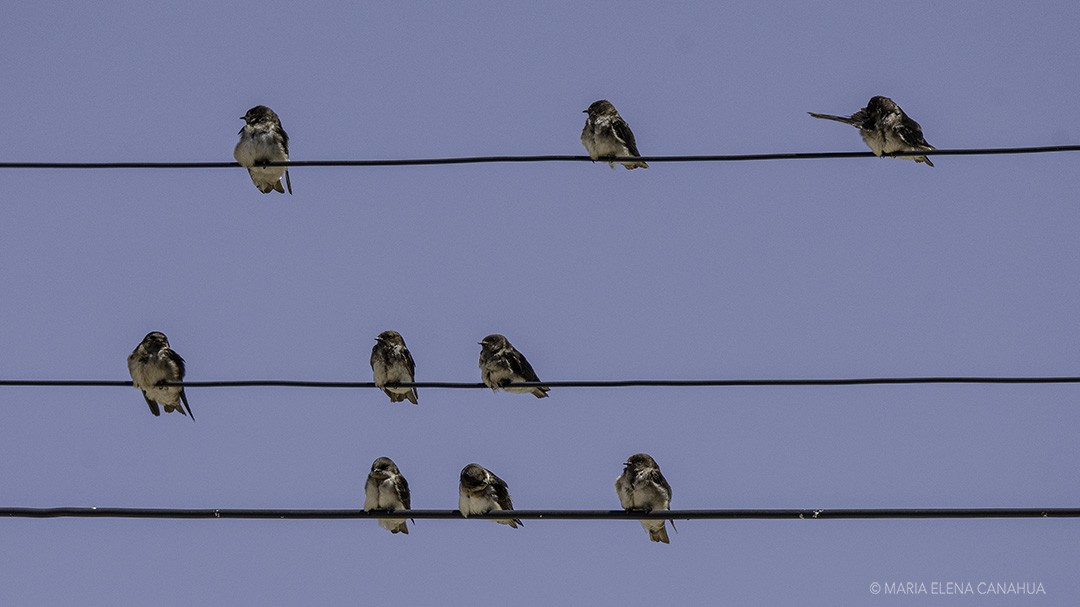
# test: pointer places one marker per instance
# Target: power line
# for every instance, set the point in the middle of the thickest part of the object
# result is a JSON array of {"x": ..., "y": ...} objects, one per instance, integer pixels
[
  {"x": 539, "y": 158},
  {"x": 801, "y": 513},
  {"x": 627, "y": 383}
]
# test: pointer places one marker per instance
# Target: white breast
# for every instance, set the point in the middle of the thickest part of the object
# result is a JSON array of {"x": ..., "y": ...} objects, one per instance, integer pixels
[
  {"x": 255, "y": 146},
  {"x": 145, "y": 377},
  {"x": 472, "y": 503}
]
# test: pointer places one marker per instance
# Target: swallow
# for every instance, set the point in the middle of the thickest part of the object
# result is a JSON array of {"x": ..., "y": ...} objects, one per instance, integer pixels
[
  {"x": 643, "y": 488},
  {"x": 481, "y": 492},
  {"x": 502, "y": 364},
  {"x": 606, "y": 135},
  {"x": 263, "y": 140},
  {"x": 391, "y": 363},
  {"x": 886, "y": 128},
  {"x": 386, "y": 489},
  {"x": 153, "y": 363}
]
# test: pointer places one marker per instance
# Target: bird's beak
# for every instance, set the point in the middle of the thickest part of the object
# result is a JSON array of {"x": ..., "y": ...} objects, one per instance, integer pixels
[{"x": 584, "y": 111}]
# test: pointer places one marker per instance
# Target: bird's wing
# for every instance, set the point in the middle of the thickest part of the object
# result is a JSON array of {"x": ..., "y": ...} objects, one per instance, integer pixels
[
  {"x": 411, "y": 364},
  {"x": 846, "y": 120},
  {"x": 176, "y": 360},
  {"x": 402, "y": 487},
  {"x": 371, "y": 495},
  {"x": 657, "y": 477},
  {"x": 624, "y": 134},
  {"x": 622, "y": 489},
  {"x": 502, "y": 492},
  {"x": 520, "y": 365},
  {"x": 911, "y": 133}
]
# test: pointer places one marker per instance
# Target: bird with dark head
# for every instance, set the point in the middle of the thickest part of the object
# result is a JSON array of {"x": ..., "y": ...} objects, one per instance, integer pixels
[
  {"x": 885, "y": 128},
  {"x": 391, "y": 363},
  {"x": 386, "y": 489},
  {"x": 501, "y": 365},
  {"x": 641, "y": 487},
  {"x": 606, "y": 135},
  {"x": 152, "y": 364},
  {"x": 480, "y": 492},
  {"x": 262, "y": 140}
]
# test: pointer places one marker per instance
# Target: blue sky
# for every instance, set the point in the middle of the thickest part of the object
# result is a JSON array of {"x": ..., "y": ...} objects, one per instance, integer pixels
[{"x": 823, "y": 268}]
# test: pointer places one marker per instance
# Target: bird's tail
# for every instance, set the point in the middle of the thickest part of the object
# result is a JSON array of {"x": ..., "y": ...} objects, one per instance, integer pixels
[
  {"x": 659, "y": 534},
  {"x": 918, "y": 148},
  {"x": 514, "y": 523},
  {"x": 153, "y": 405},
  {"x": 394, "y": 525},
  {"x": 635, "y": 165},
  {"x": 844, "y": 119},
  {"x": 288, "y": 182},
  {"x": 541, "y": 391},
  {"x": 397, "y": 397}
]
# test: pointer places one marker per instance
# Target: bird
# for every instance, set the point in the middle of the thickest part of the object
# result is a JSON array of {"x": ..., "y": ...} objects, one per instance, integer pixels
[
  {"x": 886, "y": 128},
  {"x": 391, "y": 363},
  {"x": 153, "y": 363},
  {"x": 502, "y": 364},
  {"x": 606, "y": 135},
  {"x": 641, "y": 487},
  {"x": 481, "y": 492},
  {"x": 386, "y": 489},
  {"x": 263, "y": 140}
]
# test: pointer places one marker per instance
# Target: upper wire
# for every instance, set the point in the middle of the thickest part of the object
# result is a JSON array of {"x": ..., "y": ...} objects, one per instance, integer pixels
[
  {"x": 619, "y": 383},
  {"x": 540, "y": 158},
  {"x": 800, "y": 513}
]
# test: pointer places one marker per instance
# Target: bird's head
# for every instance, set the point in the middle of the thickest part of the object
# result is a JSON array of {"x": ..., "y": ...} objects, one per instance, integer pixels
[
  {"x": 600, "y": 108},
  {"x": 473, "y": 476},
  {"x": 155, "y": 340},
  {"x": 494, "y": 343},
  {"x": 383, "y": 467},
  {"x": 390, "y": 338},
  {"x": 260, "y": 113},
  {"x": 640, "y": 460}
]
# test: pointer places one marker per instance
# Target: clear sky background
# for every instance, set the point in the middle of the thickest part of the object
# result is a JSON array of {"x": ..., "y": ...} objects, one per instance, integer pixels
[{"x": 823, "y": 268}]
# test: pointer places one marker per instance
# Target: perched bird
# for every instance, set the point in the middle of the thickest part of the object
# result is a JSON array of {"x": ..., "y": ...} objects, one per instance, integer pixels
[
  {"x": 481, "y": 492},
  {"x": 152, "y": 363},
  {"x": 386, "y": 489},
  {"x": 607, "y": 135},
  {"x": 392, "y": 364},
  {"x": 263, "y": 140},
  {"x": 886, "y": 128},
  {"x": 502, "y": 364},
  {"x": 642, "y": 487}
]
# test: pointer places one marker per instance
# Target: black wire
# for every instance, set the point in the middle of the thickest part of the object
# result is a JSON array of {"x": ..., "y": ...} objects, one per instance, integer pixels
[
  {"x": 541, "y": 158},
  {"x": 628, "y": 383},
  {"x": 825, "y": 513}
]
